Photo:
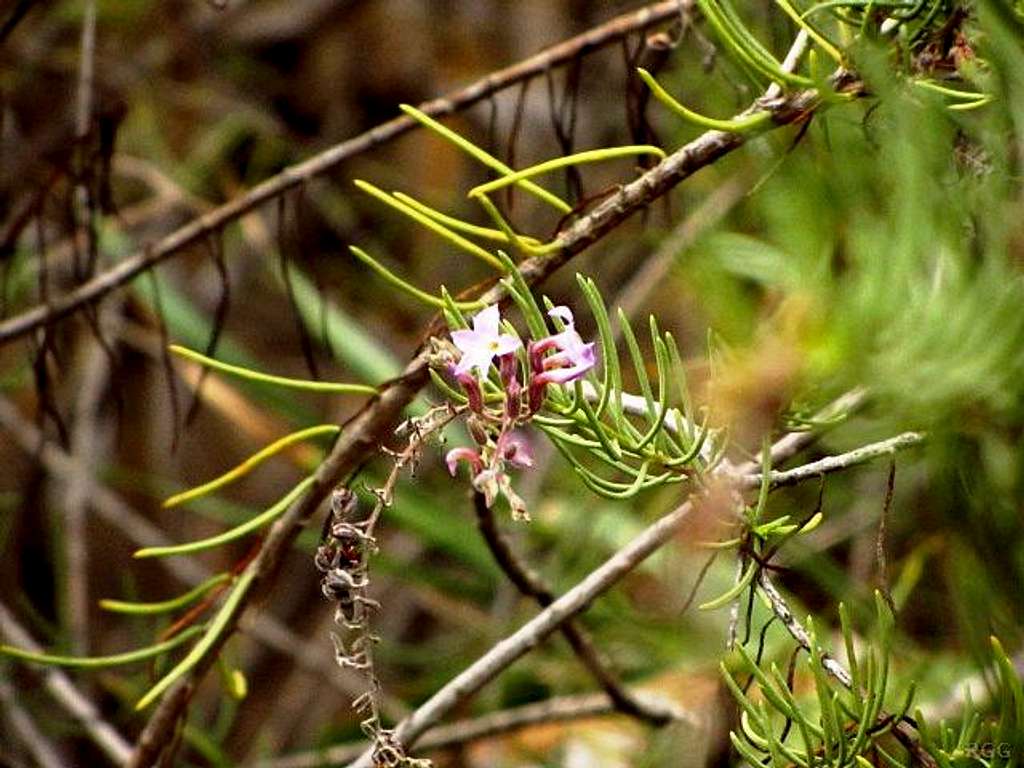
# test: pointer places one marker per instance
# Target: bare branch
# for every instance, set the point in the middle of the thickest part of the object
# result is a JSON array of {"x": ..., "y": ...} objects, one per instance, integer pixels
[
  {"x": 838, "y": 463},
  {"x": 559, "y": 709},
  {"x": 86, "y": 70},
  {"x": 44, "y": 753},
  {"x": 531, "y": 584},
  {"x": 291, "y": 177},
  {"x": 87, "y": 449}
]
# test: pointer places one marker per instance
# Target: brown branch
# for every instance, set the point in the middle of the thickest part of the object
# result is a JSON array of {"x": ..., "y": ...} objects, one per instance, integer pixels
[
  {"x": 298, "y": 174},
  {"x": 365, "y": 431},
  {"x": 531, "y": 584}
]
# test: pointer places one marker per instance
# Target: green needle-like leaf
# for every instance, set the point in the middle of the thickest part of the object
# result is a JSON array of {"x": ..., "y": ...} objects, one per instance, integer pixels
[
  {"x": 251, "y": 463},
  {"x": 735, "y": 591},
  {"x": 212, "y": 635},
  {"x": 237, "y": 532},
  {"x": 100, "y": 662},
  {"x": 408, "y": 288},
  {"x": 266, "y": 378},
  {"x": 433, "y": 224},
  {"x": 740, "y": 125},
  {"x": 589, "y": 156},
  {"x": 166, "y": 606},
  {"x": 484, "y": 157}
]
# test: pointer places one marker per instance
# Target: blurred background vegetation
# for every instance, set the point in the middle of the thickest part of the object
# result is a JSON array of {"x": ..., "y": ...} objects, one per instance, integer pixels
[{"x": 878, "y": 244}]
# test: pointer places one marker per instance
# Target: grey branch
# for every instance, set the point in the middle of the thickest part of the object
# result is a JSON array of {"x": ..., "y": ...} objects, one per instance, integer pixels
[
  {"x": 68, "y": 696},
  {"x": 782, "y": 610},
  {"x": 559, "y": 709},
  {"x": 531, "y": 584},
  {"x": 534, "y": 632},
  {"x": 837, "y": 463},
  {"x": 23, "y": 727},
  {"x": 193, "y": 232}
]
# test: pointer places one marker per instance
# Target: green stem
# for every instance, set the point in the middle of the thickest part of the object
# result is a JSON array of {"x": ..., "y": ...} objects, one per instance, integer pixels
[
  {"x": 216, "y": 628},
  {"x": 736, "y": 125},
  {"x": 431, "y": 223},
  {"x": 816, "y": 36},
  {"x": 589, "y": 156},
  {"x": 485, "y": 233},
  {"x": 408, "y": 288},
  {"x": 484, "y": 157}
]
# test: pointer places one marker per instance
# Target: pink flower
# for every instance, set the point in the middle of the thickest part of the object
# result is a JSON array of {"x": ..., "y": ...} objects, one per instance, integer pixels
[
  {"x": 455, "y": 455},
  {"x": 574, "y": 356},
  {"x": 480, "y": 345},
  {"x": 571, "y": 362}
]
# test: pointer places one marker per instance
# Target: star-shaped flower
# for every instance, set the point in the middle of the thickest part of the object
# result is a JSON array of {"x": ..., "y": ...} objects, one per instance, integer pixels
[{"x": 484, "y": 342}]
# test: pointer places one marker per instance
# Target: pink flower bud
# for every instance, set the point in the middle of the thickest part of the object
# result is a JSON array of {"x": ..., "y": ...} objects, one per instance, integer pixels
[{"x": 455, "y": 455}]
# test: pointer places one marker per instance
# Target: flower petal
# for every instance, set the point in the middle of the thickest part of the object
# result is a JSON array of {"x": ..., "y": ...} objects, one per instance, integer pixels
[
  {"x": 465, "y": 339},
  {"x": 455, "y": 455},
  {"x": 506, "y": 343},
  {"x": 487, "y": 321},
  {"x": 563, "y": 313},
  {"x": 518, "y": 451},
  {"x": 474, "y": 358}
]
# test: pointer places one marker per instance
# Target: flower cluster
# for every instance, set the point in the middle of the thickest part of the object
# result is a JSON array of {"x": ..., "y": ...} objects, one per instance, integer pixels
[{"x": 560, "y": 358}]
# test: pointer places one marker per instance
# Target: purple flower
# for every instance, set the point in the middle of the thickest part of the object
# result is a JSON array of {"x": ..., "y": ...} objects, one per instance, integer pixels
[
  {"x": 574, "y": 357},
  {"x": 480, "y": 345}
]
